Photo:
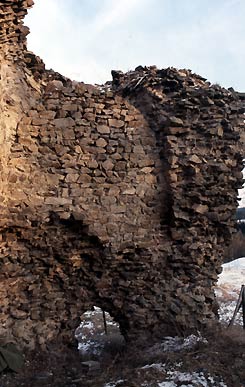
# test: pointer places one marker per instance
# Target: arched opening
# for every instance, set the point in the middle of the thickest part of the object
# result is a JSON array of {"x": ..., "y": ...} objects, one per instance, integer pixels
[{"x": 98, "y": 335}]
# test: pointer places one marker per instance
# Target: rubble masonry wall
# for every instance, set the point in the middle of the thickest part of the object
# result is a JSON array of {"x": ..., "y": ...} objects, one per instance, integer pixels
[{"x": 121, "y": 196}]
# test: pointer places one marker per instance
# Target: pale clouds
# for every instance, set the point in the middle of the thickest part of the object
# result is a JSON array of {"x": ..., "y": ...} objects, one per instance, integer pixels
[
  {"x": 114, "y": 13},
  {"x": 49, "y": 28},
  {"x": 85, "y": 39},
  {"x": 69, "y": 44}
]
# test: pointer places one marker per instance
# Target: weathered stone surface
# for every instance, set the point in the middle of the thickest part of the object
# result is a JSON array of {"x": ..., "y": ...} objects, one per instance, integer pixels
[
  {"x": 110, "y": 198},
  {"x": 103, "y": 129}
]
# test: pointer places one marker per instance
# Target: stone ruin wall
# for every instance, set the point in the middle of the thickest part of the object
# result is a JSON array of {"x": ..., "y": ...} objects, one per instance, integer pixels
[{"x": 121, "y": 196}]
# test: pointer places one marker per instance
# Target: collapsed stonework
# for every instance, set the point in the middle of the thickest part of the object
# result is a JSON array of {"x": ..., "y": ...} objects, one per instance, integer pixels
[{"x": 121, "y": 196}]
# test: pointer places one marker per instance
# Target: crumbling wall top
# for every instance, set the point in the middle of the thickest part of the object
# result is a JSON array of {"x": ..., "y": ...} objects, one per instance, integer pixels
[{"x": 12, "y": 32}]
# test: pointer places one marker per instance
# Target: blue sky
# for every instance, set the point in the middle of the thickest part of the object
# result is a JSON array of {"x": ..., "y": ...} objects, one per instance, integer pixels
[{"x": 85, "y": 39}]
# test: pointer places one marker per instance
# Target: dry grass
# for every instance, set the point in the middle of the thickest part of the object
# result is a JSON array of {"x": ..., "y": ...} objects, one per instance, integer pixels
[{"x": 222, "y": 355}]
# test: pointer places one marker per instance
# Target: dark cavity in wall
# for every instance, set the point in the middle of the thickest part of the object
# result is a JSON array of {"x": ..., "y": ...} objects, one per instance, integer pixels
[{"x": 98, "y": 335}]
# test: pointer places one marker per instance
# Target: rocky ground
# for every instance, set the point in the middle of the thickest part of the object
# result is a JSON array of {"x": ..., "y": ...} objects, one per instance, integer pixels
[{"x": 215, "y": 358}]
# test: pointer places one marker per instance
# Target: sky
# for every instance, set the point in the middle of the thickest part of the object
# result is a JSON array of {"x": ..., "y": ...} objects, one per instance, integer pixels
[{"x": 86, "y": 39}]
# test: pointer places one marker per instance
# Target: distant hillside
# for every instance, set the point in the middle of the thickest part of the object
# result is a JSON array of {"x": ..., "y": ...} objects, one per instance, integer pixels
[{"x": 240, "y": 213}]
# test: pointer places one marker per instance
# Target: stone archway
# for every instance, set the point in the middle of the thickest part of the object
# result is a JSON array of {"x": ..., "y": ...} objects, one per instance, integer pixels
[{"x": 121, "y": 196}]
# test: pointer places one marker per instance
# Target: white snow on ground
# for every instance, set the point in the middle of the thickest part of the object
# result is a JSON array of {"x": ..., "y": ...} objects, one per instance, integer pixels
[
  {"x": 241, "y": 193},
  {"x": 176, "y": 344},
  {"x": 114, "y": 384},
  {"x": 92, "y": 338},
  {"x": 195, "y": 379},
  {"x": 157, "y": 366},
  {"x": 172, "y": 377},
  {"x": 242, "y": 196},
  {"x": 233, "y": 274},
  {"x": 228, "y": 289}
]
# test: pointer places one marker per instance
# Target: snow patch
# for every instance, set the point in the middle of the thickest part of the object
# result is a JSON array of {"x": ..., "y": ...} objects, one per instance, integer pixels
[
  {"x": 113, "y": 384},
  {"x": 194, "y": 379},
  {"x": 227, "y": 291},
  {"x": 228, "y": 288},
  {"x": 91, "y": 335},
  {"x": 157, "y": 366},
  {"x": 173, "y": 377},
  {"x": 176, "y": 344}
]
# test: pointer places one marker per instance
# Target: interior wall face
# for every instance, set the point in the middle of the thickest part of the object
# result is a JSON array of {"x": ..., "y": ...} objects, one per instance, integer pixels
[{"x": 121, "y": 196}]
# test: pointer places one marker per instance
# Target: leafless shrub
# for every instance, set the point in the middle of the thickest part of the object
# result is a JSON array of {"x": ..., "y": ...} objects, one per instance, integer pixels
[{"x": 237, "y": 247}]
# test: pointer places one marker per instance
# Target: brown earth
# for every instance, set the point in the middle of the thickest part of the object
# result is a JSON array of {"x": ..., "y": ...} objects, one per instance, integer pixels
[{"x": 223, "y": 355}]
